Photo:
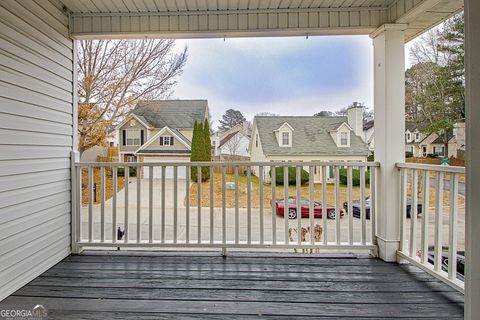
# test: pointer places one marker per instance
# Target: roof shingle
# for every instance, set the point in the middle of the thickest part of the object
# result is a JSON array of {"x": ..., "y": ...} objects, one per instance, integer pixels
[
  {"x": 311, "y": 136},
  {"x": 175, "y": 114}
]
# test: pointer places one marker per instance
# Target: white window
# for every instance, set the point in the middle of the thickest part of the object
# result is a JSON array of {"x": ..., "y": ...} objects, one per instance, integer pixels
[
  {"x": 408, "y": 136},
  {"x": 439, "y": 151},
  {"x": 133, "y": 137},
  {"x": 344, "y": 138},
  {"x": 285, "y": 138},
  {"x": 166, "y": 141},
  {"x": 256, "y": 140},
  {"x": 417, "y": 136},
  {"x": 131, "y": 159}
]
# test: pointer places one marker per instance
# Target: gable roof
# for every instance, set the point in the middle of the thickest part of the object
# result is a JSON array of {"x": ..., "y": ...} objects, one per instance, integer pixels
[
  {"x": 439, "y": 139},
  {"x": 311, "y": 136},
  {"x": 230, "y": 136},
  {"x": 180, "y": 137},
  {"x": 283, "y": 125},
  {"x": 411, "y": 126},
  {"x": 343, "y": 124},
  {"x": 176, "y": 114},
  {"x": 141, "y": 119}
]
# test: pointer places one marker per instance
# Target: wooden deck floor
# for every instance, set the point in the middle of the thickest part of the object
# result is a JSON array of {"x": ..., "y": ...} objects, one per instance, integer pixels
[{"x": 174, "y": 285}]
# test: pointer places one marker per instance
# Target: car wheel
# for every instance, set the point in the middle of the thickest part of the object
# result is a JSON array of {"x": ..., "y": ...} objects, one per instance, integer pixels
[
  {"x": 331, "y": 214},
  {"x": 292, "y": 213}
]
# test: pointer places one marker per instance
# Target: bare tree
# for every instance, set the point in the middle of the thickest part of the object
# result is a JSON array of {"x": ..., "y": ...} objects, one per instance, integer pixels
[
  {"x": 114, "y": 74},
  {"x": 234, "y": 144},
  {"x": 426, "y": 49},
  {"x": 267, "y": 114}
]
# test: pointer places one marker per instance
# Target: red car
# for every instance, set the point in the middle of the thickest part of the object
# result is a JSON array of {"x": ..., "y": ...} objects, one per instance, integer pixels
[{"x": 317, "y": 209}]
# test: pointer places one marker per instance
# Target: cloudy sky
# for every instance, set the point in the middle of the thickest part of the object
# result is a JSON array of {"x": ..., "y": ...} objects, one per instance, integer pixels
[{"x": 288, "y": 76}]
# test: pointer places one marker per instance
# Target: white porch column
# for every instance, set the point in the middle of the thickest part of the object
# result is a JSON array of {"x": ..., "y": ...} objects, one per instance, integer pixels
[
  {"x": 472, "y": 222},
  {"x": 389, "y": 108}
]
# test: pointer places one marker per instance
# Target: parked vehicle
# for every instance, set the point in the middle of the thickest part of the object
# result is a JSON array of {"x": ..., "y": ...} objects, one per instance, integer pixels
[
  {"x": 460, "y": 261},
  {"x": 305, "y": 209},
  {"x": 356, "y": 207}
]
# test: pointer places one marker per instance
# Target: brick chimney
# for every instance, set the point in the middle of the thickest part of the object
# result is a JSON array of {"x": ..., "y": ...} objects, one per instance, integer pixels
[{"x": 355, "y": 118}]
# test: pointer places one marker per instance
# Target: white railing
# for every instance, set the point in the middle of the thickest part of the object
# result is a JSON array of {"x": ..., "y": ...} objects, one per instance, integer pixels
[
  {"x": 431, "y": 223},
  {"x": 153, "y": 208}
]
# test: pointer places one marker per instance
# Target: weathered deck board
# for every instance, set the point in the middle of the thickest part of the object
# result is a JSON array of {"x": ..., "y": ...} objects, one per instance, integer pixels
[{"x": 241, "y": 286}]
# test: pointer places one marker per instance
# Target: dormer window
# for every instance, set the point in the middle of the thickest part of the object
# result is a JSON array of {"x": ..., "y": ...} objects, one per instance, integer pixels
[
  {"x": 417, "y": 136},
  {"x": 285, "y": 138},
  {"x": 343, "y": 139},
  {"x": 284, "y": 135},
  {"x": 166, "y": 141},
  {"x": 408, "y": 136},
  {"x": 256, "y": 140}
]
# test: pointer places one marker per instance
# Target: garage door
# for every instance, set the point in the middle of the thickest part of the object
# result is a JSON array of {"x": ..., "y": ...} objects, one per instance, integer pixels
[{"x": 157, "y": 171}]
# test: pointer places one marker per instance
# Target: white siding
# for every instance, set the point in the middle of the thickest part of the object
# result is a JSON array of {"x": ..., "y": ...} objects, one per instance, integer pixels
[{"x": 36, "y": 72}]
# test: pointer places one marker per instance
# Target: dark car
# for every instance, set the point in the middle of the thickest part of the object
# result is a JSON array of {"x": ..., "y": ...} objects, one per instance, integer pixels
[
  {"x": 460, "y": 261},
  {"x": 356, "y": 207},
  {"x": 305, "y": 209}
]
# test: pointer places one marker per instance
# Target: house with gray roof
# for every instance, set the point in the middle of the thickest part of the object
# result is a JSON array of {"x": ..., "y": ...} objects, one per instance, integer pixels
[
  {"x": 309, "y": 139},
  {"x": 160, "y": 131},
  {"x": 232, "y": 144}
]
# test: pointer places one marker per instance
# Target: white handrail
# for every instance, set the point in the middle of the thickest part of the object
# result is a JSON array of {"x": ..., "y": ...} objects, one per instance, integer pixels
[
  {"x": 432, "y": 261},
  {"x": 153, "y": 220}
]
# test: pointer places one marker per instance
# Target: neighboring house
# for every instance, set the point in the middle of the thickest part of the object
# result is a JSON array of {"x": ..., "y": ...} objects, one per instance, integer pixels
[
  {"x": 308, "y": 139},
  {"x": 422, "y": 145},
  {"x": 368, "y": 134},
  {"x": 160, "y": 131},
  {"x": 232, "y": 144},
  {"x": 414, "y": 137}
]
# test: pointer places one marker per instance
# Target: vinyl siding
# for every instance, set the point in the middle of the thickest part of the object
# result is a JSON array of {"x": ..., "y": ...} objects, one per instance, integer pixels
[
  {"x": 36, "y": 115},
  {"x": 177, "y": 145},
  {"x": 127, "y": 126}
]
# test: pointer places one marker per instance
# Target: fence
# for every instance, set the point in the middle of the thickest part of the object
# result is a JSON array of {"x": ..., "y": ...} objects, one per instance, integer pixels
[{"x": 156, "y": 211}]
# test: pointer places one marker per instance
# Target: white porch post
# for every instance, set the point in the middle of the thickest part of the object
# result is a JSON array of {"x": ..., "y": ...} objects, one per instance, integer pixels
[
  {"x": 389, "y": 108},
  {"x": 472, "y": 95}
]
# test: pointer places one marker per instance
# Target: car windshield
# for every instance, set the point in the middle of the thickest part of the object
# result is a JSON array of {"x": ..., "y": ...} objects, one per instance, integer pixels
[{"x": 303, "y": 202}]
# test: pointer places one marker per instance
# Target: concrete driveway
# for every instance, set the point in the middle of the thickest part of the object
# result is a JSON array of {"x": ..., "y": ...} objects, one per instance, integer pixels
[
  {"x": 142, "y": 212},
  {"x": 157, "y": 193}
]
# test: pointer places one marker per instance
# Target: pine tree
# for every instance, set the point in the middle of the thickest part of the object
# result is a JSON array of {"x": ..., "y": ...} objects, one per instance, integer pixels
[
  {"x": 207, "y": 147},
  {"x": 194, "y": 156},
  {"x": 201, "y": 151},
  {"x": 230, "y": 119}
]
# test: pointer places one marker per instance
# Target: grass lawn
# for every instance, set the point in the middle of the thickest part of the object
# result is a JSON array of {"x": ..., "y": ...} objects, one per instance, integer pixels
[
  {"x": 96, "y": 179},
  {"x": 267, "y": 192},
  {"x": 436, "y": 161},
  {"x": 255, "y": 195}
]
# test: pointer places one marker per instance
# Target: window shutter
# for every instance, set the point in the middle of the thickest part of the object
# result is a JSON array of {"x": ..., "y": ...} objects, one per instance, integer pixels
[
  {"x": 142, "y": 140},
  {"x": 124, "y": 137},
  {"x": 171, "y": 141},
  {"x": 161, "y": 141}
]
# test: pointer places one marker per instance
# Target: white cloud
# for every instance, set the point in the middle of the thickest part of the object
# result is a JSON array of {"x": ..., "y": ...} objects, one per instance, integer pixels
[{"x": 216, "y": 68}]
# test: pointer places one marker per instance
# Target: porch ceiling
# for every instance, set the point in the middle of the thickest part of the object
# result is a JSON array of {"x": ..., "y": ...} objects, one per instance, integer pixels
[{"x": 242, "y": 18}]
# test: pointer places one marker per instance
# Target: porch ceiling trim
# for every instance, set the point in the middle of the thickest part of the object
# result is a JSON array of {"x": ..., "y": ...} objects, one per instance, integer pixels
[
  {"x": 279, "y": 22},
  {"x": 360, "y": 18}
]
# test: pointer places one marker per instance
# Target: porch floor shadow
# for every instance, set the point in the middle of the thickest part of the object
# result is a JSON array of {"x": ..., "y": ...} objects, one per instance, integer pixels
[{"x": 205, "y": 285}]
